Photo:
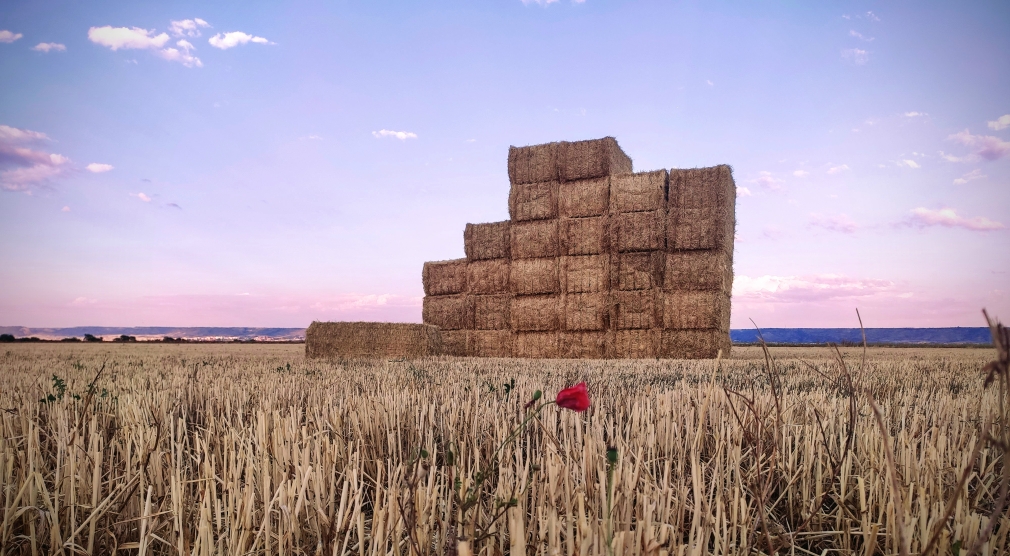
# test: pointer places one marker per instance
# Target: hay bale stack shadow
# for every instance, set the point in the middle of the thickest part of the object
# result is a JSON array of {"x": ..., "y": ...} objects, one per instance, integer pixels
[{"x": 331, "y": 340}]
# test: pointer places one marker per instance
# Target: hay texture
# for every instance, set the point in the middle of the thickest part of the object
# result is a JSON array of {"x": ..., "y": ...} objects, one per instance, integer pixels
[
  {"x": 533, "y": 201},
  {"x": 583, "y": 236},
  {"x": 700, "y": 228},
  {"x": 455, "y": 342},
  {"x": 448, "y": 312},
  {"x": 696, "y": 310},
  {"x": 535, "y": 313},
  {"x": 694, "y": 344},
  {"x": 533, "y": 164},
  {"x": 698, "y": 271},
  {"x": 638, "y": 192},
  {"x": 580, "y": 160},
  {"x": 490, "y": 343},
  {"x": 536, "y": 345},
  {"x": 702, "y": 187},
  {"x": 486, "y": 241},
  {"x": 534, "y": 276},
  {"x": 579, "y": 199},
  {"x": 587, "y": 311},
  {"x": 636, "y": 344},
  {"x": 702, "y": 209},
  {"x": 488, "y": 277},
  {"x": 636, "y": 310},
  {"x": 586, "y": 274},
  {"x": 536, "y": 239},
  {"x": 371, "y": 339},
  {"x": 583, "y": 345},
  {"x": 639, "y": 271},
  {"x": 444, "y": 277},
  {"x": 638, "y": 231},
  {"x": 491, "y": 312}
]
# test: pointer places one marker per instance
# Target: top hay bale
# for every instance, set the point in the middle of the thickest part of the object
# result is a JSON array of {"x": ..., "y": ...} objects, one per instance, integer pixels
[
  {"x": 444, "y": 277},
  {"x": 567, "y": 161},
  {"x": 371, "y": 339}
]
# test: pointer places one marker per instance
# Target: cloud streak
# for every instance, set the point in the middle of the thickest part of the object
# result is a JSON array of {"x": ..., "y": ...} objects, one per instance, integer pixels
[
  {"x": 224, "y": 41},
  {"x": 23, "y": 167},
  {"x": 856, "y": 56},
  {"x": 98, "y": 168},
  {"x": 948, "y": 218},
  {"x": 806, "y": 289},
  {"x": 49, "y": 47},
  {"x": 401, "y": 135},
  {"x": 999, "y": 123},
  {"x": 840, "y": 223},
  {"x": 9, "y": 37},
  {"x": 985, "y": 146},
  {"x": 135, "y": 38}
]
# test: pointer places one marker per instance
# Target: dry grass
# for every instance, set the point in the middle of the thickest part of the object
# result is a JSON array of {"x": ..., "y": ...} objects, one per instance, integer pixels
[{"x": 255, "y": 450}]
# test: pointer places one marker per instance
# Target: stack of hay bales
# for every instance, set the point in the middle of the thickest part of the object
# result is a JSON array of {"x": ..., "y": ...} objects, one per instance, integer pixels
[
  {"x": 371, "y": 339},
  {"x": 595, "y": 262}
]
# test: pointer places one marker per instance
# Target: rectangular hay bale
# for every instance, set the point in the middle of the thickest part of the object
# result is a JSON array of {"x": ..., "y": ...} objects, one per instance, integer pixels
[
  {"x": 488, "y": 276},
  {"x": 534, "y": 313},
  {"x": 595, "y": 158},
  {"x": 533, "y": 201},
  {"x": 695, "y": 344},
  {"x": 490, "y": 343},
  {"x": 533, "y": 164},
  {"x": 455, "y": 342},
  {"x": 535, "y": 345},
  {"x": 583, "y": 345},
  {"x": 579, "y": 199},
  {"x": 486, "y": 241},
  {"x": 638, "y": 231},
  {"x": 491, "y": 312},
  {"x": 536, "y": 239},
  {"x": 587, "y": 311},
  {"x": 710, "y": 270},
  {"x": 448, "y": 312},
  {"x": 444, "y": 277},
  {"x": 702, "y": 187},
  {"x": 583, "y": 236},
  {"x": 636, "y": 344},
  {"x": 638, "y": 192},
  {"x": 639, "y": 271},
  {"x": 635, "y": 310},
  {"x": 696, "y": 310},
  {"x": 586, "y": 274},
  {"x": 534, "y": 276},
  {"x": 371, "y": 339},
  {"x": 700, "y": 228}
]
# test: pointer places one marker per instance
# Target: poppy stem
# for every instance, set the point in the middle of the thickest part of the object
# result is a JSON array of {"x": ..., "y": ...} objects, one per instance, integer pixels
[{"x": 512, "y": 436}]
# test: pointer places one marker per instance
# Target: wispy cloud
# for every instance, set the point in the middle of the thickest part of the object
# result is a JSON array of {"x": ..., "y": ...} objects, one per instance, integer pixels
[
  {"x": 801, "y": 173},
  {"x": 540, "y": 2},
  {"x": 142, "y": 196},
  {"x": 135, "y": 38},
  {"x": 401, "y": 135},
  {"x": 187, "y": 27},
  {"x": 999, "y": 123},
  {"x": 856, "y": 56},
  {"x": 840, "y": 223},
  {"x": 906, "y": 163},
  {"x": 98, "y": 168},
  {"x": 224, "y": 41},
  {"x": 952, "y": 158},
  {"x": 23, "y": 167},
  {"x": 805, "y": 289},
  {"x": 9, "y": 37},
  {"x": 986, "y": 146},
  {"x": 743, "y": 192},
  {"x": 973, "y": 175},
  {"x": 65, "y": 209},
  {"x": 49, "y": 47},
  {"x": 915, "y": 114},
  {"x": 947, "y": 217},
  {"x": 860, "y": 36},
  {"x": 768, "y": 181},
  {"x": 838, "y": 169}
]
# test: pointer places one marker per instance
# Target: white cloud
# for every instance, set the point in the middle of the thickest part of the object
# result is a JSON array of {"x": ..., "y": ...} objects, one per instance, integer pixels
[
  {"x": 49, "y": 46},
  {"x": 233, "y": 39},
  {"x": 858, "y": 35},
  {"x": 9, "y": 37},
  {"x": 743, "y": 192},
  {"x": 801, "y": 173},
  {"x": 806, "y": 289},
  {"x": 182, "y": 56},
  {"x": 1001, "y": 122},
  {"x": 923, "y": 217},
  {"x": 187, "y": 27},
  {"x": 915, "y": 114},
  {"x": 768, "y": 181},
  {"x": 98, "y": 168},
  {"x": 986, "y": 146},
  {"x": 872, "y": 17},
  {"x": 952, "y": 158},
  {"x": 973, "y": 175},
  {"x": 21, "y": 167},
  {"x": 13, "y": 134},
  {"x": 142, "y": 197},
  {"x": 838, "y": 169},
  {"x": 126, "y": 38},
  {"x": 856, "y": 56},
  {"x": 709, "y": 81},
  {"x": 835, "y": 223},
  {"x": 541, "y": 2},
  {"x": 401, "y": 135},
  {"x": 908, "y": 163}
]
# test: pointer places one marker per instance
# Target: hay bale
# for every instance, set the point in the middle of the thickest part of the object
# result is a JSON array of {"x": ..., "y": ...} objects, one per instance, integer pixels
[
  {"x": 638, "y": 192},
  {"x": 371, "y": 339},
  {"x": 587, "y": 311},
  {"x": 533, "y": 164},
  {"x": 534, "y": 276},
  {"x": 694, "y": 344},
  {"x": 444, "y": 277},
  {"x": 639, "y": 271},
  {"x": 535, "y": 313},
  {"x": 702, "y": 187},
  {"x": 636, "y": 310},
  {"x": 448, "y": 312},
  {"x": 583, "y": 236},
  {"x": 533, "y": 201},
  {"x": 700, "y": 228},
  {"x": 636, "y": 344},
  {"x": 579, "y": 199},
  {"x": 586, "y": 274},
  {"x": 490, "y": 343},
  {"x": 581, "y": 160},
  {"x": 709, "y": 270},
  {"x": 638, "y": 231},
  {"x": 583, "y": 345},
  {"x": 491, "y": 312},
  {"x": 695, "y": 309},
  {"x": 455, "y": 342},
  {"x": 535, "y": 239},
  {"x": 486, "y": 241},
  {"x": 536, "y": 345},
  {"x": 488, "y": 276}
]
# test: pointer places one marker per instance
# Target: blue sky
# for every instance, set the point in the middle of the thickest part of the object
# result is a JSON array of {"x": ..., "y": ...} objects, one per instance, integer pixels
[{"x": 270, "y": 164}]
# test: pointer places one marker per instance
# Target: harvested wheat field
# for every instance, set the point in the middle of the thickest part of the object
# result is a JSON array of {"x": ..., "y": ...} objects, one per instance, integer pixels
[{"x": 218, "y": 449}]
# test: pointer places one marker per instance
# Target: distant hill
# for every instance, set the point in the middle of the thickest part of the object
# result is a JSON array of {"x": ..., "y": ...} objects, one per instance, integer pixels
[
  {"x": 909, "y": 336},
  {"x": 158, "y": 332}
]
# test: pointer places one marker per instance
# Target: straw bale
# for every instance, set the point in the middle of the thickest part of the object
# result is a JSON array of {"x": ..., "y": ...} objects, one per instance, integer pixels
[
  {"x": 455, "y": 342},
  {"x": 580, "y": 160},
  {"x": 700, "y": 228},
  {"x": 638, "y": 192},
  {"x": 535, "y": 239},
  {"x": 578, "y": 199},
  {"x": 490, "y": 343},
  {"x": 488, "y": 276},
  {"x": 586, "y": 273},
  {"x": 638, "y": 231},
  {"x": 636, "y": 309},
  {"x": 371, "y": 339},
  {"x": 533, "y": 201},
  {"x": 710, "y": 270},
  {"x": 584, "y": 345},
  {"x": 444, "y": 277},
  {"x": 448, "y": 312},
  {"x": 636, "y": 344},
  {"x": 587, "y": 311},
  {"x": 639, "y": 271},
  {"x": 583, "y": 236},
  {"x": 534, "y": 276},
  {"x": 491, "y": 312},
  {"x": 533, "y": 164},
  {"x": 694, "y": 344},
  {"x": 702, "y": 187},
  {"x": 486, "y": 241},
  {"x": 534, "y": 313},
  {"x": 536, "y": 345},
  {"x": 694, "y": 309}
]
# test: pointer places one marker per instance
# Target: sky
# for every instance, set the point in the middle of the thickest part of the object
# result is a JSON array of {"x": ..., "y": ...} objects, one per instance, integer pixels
[{"x": 271, "y": 164}]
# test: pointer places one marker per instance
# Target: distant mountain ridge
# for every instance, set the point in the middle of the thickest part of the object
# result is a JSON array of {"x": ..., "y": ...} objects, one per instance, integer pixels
[
  {"x": 910, "y": 336},
  {"x": 158, "y": 332}
]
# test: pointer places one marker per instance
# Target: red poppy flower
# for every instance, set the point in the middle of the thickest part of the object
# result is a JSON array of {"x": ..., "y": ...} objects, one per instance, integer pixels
[{"x": 575, "y": 397}]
